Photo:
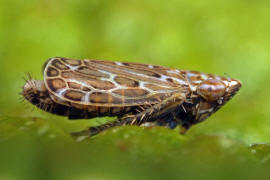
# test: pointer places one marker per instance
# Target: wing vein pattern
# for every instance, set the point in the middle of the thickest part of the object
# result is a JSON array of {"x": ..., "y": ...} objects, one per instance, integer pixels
[{"x": 107, "y": 83}]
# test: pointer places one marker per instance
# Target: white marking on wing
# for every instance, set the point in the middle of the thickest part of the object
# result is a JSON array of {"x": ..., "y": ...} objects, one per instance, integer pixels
[
  {"x": 180, "y": 81},
  {"x": 119, "y": 63},
  {"x": 60, "y": 92},
  {"x": 190, "y": 74},
  {"x": 163, "y": 78},
  {"x": 193, "y": 88},
  {"x": 233, "y": 83},
  {"x": 111, "y": 79},
  {"x": 142, "y": 85},
  {"x": 139, "y": 74},
  {"x": 158, "y": 91},
  {"x": 86, "y": 97},
  {"x": 196, "y": 81},
  {"x": 73, "y": 68},
  {"x": 226, "y": 83},
  {"x": 204, "y": 76},
  {"x": 80, "y": 82},
  {"x": 176, "y": 71}
]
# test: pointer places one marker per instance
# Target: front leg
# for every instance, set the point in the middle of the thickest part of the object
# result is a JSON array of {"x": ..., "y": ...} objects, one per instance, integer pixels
[{"x": 169, "y": 122}]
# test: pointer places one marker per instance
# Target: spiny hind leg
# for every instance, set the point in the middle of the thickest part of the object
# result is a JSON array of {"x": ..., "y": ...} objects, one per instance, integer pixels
[
  {"x": 165, "y": 108},
  {"x": 97, "y": 129},
  {"x": 138, "y": 119}
]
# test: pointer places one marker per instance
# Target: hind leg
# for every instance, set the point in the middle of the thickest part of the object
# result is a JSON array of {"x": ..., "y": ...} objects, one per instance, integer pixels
[{"x": 168, "y": 105}]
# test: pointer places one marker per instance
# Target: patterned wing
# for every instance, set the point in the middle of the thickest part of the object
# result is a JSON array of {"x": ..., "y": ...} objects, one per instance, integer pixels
[{"x": 106, "y": 83}]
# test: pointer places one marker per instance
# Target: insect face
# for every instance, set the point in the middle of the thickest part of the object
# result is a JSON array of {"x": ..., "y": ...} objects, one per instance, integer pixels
[{"x": 210, "y": 92}]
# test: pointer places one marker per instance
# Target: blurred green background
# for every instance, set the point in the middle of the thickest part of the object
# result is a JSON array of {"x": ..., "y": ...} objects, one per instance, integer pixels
[{"x": 227, "y": 37}]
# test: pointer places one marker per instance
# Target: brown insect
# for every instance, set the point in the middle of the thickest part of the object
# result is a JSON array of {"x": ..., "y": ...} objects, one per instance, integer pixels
[{"x": 138, "y": 94}]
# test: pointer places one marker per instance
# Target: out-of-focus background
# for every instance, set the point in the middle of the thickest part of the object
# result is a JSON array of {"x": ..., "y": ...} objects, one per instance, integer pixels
[{"x": 228, "y": 37}]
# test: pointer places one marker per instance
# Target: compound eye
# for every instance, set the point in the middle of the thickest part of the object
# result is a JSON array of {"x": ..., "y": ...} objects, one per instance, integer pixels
[{"x": 211, "y": 89}]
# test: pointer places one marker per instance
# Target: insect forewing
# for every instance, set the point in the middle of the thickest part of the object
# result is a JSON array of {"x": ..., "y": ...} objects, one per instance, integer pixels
[{"x": 105, "y": 83}]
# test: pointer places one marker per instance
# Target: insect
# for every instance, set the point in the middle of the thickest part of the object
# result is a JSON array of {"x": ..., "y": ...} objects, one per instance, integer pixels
[{"x": 138, "y": 94}]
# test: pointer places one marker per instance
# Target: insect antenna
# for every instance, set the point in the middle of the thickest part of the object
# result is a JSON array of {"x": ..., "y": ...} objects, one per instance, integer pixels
[
  {"x": 226, "y": 74},
  {"x": 21, "y": 98},
  {"x": 25, "y": 77},
  {"x": 28, "y": 78}
]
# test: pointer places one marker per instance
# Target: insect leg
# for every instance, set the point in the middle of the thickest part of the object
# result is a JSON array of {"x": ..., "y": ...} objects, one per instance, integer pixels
[
  {"x": 97, "y": 129},
  {"x": 140, "y": 118},
  {"x": 168, "y": 121},
  {"x": 186, "y": 124},
  {"x": 164, "y": 107}
]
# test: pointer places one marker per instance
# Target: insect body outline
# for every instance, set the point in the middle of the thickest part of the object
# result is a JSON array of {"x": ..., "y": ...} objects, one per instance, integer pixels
[{"x": 138, "y": 94}]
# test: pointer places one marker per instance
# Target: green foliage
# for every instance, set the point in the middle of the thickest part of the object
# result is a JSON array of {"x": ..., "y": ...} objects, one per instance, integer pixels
[{"x": 222, "y": 37}]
